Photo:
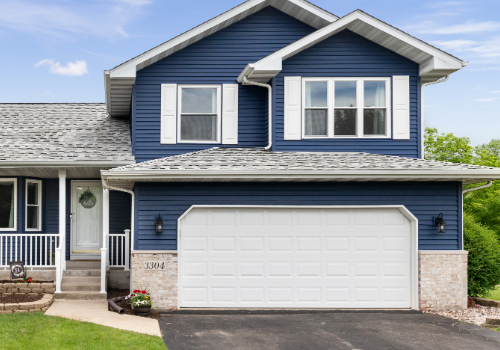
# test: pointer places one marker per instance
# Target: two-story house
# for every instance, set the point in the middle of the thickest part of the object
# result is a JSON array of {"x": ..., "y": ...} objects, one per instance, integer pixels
[{"x": 270, "y": 157}]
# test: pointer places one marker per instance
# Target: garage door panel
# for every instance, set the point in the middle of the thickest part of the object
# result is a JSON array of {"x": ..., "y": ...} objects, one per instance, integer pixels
[{"x": 295, "y": 258}]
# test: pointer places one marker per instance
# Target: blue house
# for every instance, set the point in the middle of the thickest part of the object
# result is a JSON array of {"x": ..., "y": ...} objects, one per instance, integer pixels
[{"x": 271, "y": 157}]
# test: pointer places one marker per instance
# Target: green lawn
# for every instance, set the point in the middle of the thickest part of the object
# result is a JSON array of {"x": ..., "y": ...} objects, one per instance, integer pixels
[
  {"x": 37, "y": 331},
  {"x": 495, "y": 295}
]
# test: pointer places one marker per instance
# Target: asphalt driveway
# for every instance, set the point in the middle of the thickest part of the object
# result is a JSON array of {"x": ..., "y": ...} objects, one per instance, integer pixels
[{"x": 322, "y": 330}]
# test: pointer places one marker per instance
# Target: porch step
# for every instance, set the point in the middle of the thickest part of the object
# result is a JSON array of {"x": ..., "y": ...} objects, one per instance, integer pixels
[
  {"x": 81, "y": 272},
  {"x": 87, "y": 284},
  {"x": 76, "y": 264},
  {"x": 78, "y": 295}
]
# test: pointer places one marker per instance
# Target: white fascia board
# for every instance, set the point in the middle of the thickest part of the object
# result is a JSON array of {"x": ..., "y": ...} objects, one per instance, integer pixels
[
  {"x": 367, "y": 175},
  {"x": 321, "y": 34},
  {"x": 128, "y": 69}
]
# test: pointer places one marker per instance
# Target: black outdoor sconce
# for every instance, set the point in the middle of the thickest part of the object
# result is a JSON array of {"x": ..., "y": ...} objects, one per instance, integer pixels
[
  {"x": 159, "y": 224},
  {"x": 440, "y": 223}
]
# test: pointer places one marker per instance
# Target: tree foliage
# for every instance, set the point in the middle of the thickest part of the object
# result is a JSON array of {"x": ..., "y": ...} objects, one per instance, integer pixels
[{"x": 483, "y": 269}]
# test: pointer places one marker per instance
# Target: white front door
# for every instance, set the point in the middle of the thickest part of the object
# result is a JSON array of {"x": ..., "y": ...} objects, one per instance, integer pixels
[
  {"x": 295, "y": 258},
  {"x": 86, "y": 220}
]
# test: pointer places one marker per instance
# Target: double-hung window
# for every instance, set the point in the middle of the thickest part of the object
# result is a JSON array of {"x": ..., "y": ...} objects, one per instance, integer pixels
[
  {"x": 33, "y": 205},
  {"x": 345, "y": 107},
  {"x": 8, "y": 204},
  {"x": 199, "y": 113}
]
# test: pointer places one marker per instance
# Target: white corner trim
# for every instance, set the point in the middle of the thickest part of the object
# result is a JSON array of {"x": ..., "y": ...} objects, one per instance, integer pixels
[
  {"x": 443, "y": 252},
  {"x": 402, "y": 209},
  {"x": 15, "y": 204}
]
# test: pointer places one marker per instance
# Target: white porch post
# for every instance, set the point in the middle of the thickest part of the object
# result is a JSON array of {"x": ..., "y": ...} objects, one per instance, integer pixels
[
  {"x": 105, "y": 237},
  {"x": 60, "y": 255},
  {"x": 127, "y": 250}
]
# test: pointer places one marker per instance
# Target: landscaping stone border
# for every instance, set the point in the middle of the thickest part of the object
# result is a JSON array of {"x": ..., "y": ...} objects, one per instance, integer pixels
[
  {"x": 486, "y": 302},
  {"x": 34, "y": 306},
  {"x": 27, "y": 288}
]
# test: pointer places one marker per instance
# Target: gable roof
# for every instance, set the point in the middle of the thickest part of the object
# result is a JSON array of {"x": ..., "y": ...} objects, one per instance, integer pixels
[
  {"x": 57, "y": 133},
  {"x": 120, "y": 79},
  {"x": 434, "y": 63},
  {"x": 257, "y": 164}
]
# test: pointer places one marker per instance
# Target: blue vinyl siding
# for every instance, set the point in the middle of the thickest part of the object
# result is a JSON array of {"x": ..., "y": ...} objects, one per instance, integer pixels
[
  {"x": 347, "y": 54},
  {"x": 217, "y": 59},
  {"x": 424, "y": 199}
]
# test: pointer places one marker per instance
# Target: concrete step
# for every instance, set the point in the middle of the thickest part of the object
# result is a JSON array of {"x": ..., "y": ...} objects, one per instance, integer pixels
[
  {"x": 77, "y": 295},
  {"x": 81, "y": 272},
  {"x": 82, "y": 279},
  {"x": 69, "y": 286},
  {"x": 76, "y": 264}
]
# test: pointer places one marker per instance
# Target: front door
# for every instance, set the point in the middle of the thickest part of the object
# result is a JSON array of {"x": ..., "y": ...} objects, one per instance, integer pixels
[{"x": 86, "y": 220}]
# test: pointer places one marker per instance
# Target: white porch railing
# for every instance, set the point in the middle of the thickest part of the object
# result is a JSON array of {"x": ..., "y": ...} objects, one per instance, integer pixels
[
  {"x": 119, "y": 249},
  {"x": 35, "y": 250}
]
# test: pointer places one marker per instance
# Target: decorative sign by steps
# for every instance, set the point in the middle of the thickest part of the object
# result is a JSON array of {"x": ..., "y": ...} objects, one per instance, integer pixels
[
  {"x": 155, "y": 265},
  {"x": 16, "y": 270}
]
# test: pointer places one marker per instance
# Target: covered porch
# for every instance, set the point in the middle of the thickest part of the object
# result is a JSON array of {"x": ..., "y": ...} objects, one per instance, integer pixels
[{"x": 58, "y": 219}]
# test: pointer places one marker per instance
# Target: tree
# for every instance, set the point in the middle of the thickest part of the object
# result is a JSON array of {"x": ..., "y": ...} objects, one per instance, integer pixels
[
  {"x": 492, "y": 147},
  {"x": 447, "y": 147}
]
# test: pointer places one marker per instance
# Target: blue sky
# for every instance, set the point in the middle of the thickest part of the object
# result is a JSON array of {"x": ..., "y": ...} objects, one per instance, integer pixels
[{"x": 56, "y": 51}]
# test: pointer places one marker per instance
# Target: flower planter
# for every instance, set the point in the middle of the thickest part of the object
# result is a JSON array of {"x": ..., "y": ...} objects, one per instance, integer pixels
[{"x": 142, "y": 310}]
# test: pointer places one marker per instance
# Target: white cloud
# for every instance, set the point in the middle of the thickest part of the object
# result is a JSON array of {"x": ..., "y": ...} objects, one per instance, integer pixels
[
  {"x": 447, "y": 4},
  {"x": 70, "y": 19},
  {"x": 488, "y": 99},
  {"x": 495, "y": 92},
  {"x": 463, "y": 28},
  {"x": 72, "y": 68},
  {"x": 488, "y": 48}
]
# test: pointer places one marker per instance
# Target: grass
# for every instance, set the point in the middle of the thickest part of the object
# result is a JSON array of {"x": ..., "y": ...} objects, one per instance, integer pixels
[
  {"x": 495, "y": 294},
  {"x": 36, "y": 331}
]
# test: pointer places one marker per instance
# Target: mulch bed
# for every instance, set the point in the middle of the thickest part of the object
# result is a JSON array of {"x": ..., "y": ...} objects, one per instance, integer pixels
[
  {"x": 114, "y": 293},
  {"x": 20, "y": 298},
  {"x": 17, "y": 281}
]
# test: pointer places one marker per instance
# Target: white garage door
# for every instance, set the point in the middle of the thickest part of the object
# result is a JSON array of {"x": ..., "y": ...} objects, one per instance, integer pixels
[{"x": 295, "y": 258}]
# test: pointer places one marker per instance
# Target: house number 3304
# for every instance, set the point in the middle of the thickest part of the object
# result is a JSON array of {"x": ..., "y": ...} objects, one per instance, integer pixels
[{"x": 154, "y": 265}]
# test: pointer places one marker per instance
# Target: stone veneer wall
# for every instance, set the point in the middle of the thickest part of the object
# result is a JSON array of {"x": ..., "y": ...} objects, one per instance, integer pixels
[
  {"x": 442, "y": 279},
  {"x": 162, "y": 284}
]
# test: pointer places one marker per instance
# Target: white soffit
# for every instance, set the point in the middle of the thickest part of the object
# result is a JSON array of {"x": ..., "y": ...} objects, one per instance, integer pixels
[
  {"x": 119, "y": 80},
  {"x": 434, "y": 63}
]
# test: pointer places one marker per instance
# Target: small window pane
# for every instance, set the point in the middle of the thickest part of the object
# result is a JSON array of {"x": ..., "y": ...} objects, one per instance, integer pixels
[
  {"x": 7, "y": 204},
  {"x": 33, "y": 193},
  {"x": 374, "y": 122},
  {"x": 198, "y": 127},
  {"x": 316, "y": 94},
  {"x": 32, "y": 217},
  {"x": 374, "y": 93},
  {"x": 345, "y": 122},
  {"x": 345, "y": 94},
  {"x": 199, "y": 100},
  {"x": 316, "y": 122}
]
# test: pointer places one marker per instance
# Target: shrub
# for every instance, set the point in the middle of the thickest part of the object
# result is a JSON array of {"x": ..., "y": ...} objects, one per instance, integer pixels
[{"x": 484, "y": 257}]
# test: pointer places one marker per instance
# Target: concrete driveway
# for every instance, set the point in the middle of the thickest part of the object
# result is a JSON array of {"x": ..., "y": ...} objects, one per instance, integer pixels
[{"x": 322, "y": 330}]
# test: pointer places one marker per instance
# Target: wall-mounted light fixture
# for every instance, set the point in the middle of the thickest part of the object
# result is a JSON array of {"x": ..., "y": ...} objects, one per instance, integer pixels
[
  {"x": 440, "y": 223},
  {"x": 159, "y": 224}
]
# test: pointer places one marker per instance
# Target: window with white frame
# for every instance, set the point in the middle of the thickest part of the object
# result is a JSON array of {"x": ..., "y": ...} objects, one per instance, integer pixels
[
  {"x": 33, "y": 205},
  {"x": 8, "y": 204},
  {"x": 345, "y": 107},
  {"x": 199, "y": 113}
]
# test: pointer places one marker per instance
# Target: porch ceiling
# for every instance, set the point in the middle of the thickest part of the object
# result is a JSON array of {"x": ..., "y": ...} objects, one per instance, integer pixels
[{"x": 53, "y": 172}]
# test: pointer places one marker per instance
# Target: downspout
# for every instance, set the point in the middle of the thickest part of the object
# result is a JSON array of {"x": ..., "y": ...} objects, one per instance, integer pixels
[
  {"x": 107, "y": 186},
  {"x": 269, "y": 108},
  {"x": 422, "y": 130},
  {"x": 478, "y": 187}
]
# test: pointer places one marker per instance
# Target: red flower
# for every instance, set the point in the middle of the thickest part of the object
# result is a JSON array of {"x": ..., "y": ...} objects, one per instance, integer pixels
[
  {"x": 30, "y": 280},
  {"x": 136, "y": 291},
  {"x": 143, "y": 292}
]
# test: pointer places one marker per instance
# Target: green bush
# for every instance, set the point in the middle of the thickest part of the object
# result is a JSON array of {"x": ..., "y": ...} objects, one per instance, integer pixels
[{"x": 484, "y": 257}]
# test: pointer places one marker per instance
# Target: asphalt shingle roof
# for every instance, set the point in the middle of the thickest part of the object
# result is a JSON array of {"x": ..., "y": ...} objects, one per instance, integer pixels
[
  {"x": 62, "y": 132},
  {"x": 254, "y": 159}
]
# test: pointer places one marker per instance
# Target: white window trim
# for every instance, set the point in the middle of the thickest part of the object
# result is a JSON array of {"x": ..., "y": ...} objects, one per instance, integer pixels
[
  {"x": 360, "y": 108},
  {"x": 15, "y": 204},
  {"x": 179, "y": 109},
  {"x": 39, "y": 182}
]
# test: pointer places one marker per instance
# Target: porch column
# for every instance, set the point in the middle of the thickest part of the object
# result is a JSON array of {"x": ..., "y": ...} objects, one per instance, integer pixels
[
  {"x": 105, "y": 235},
  {"x": 62, "y": 216}
]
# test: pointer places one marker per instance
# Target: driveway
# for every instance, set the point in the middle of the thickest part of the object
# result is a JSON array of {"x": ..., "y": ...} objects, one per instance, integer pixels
[{"x": 322, "y": 330}]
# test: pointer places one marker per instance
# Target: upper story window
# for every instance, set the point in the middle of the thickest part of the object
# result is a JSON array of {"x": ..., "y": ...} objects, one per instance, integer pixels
[
  {"x": 33, "y": 205},
  {"x": 8, "y": 204},
  {"x": 345, "y": 107},
  {"x": 199, "y": 113}
]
